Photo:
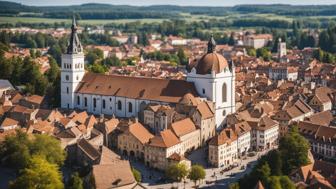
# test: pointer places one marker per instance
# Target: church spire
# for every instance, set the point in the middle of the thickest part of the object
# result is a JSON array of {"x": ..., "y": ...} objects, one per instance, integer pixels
[
  {"x": 74, "y": 46},
  {"x": 211, "y": 45}
]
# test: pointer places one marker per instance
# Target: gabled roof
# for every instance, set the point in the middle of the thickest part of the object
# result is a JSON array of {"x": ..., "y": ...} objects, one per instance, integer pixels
[
  {"x": 183, "y": 127},
  {"x": 226, "y": 136},
  {"x": 166, "y": 139},
  {"x": 163, "y": 90},
  {"x": 9, "y": 122},
  {"x": 140, "y": 132},
  {"x": 88, "y": 149},
  {"x": 205, "y": 110}
]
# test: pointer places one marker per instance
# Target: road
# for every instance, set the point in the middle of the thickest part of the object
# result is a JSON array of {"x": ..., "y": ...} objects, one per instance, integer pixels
[{"x": 220, "y": 180}]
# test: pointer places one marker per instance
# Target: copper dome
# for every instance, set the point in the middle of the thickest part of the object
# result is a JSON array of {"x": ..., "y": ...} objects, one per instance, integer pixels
[{"x": 211, "y": 61}]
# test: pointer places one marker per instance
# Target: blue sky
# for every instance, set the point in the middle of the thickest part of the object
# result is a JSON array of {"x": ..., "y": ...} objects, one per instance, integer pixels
[{"x": 175, "y": 2}]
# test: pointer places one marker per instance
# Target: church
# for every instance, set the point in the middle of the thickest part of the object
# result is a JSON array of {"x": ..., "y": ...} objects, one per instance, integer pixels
[{"x": 211, "y": 77}]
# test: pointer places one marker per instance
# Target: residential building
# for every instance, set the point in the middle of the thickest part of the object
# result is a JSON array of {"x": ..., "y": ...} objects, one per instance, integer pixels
[
  {"x": 223, "y": 149},
  {"x": 322, "y": 139},
  {"x": 265, "y": 134}
]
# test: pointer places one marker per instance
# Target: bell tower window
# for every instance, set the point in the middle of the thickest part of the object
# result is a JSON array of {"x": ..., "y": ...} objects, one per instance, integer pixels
[{"x": 224, "y": 93}]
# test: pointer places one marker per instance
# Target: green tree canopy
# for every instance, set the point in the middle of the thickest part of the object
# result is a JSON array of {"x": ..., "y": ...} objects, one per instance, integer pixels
[
  {"x": 39, "y": 174},
  {"x": 48, "y": 147},
  {"x": 75, "y": 182},
  {"x": 294, "y": 151},
  {"x": 196, "y": 173},
  {"x": 177, "y": 172},
  {"x": 136, "y": 174}
]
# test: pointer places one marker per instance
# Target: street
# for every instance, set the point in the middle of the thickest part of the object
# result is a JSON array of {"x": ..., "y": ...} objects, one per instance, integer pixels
[{"x": 215, "y": 177}]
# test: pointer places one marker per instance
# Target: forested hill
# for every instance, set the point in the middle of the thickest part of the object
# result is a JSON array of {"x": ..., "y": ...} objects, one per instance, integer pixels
[{"x": 107, "y": 11}]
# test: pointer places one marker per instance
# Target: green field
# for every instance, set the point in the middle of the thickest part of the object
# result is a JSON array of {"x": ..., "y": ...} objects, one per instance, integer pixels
[
  {"x": 186, "y": 16},
  {"x": 90, "y": 22}
]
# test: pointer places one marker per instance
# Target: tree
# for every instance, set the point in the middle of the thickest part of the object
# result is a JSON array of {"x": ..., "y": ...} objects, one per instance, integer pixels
[
  {"x": 54, "y": 70},
  {"x": 264, "y": 53},
  {"x": 75, "y": 182},
  {"x": 136, "y": 174},
  {"x": 56, "y": 52},
  {"x": 294, "y": 150},
  {"x": 234, "y": 185},
  {"x": 251, "y": 52},
  {"x": 274, "y": 183},
  {"x": 182, "y": 57},
  {"x": 15, "y": 151},
  {"x": 112, "y": 61},
  {"x": 263, "y": 172},
  {"x": 275, "y": 162},
  {"x": 31, "y": 43},
  {"x": 48, "y": 147},
  {"x": 39, "y": 174},
  {"x": 196, "y": 173},
  {"x": 97, "y": 68},
  {"x": 93, "y": 55},
  {"x": 231, "y": 40},
  {"x": 286, "y": 183},
  {"x": 177, "y": 172}
]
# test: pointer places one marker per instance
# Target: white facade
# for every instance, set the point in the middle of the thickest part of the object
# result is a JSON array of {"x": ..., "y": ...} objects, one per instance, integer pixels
[
  {"x": 244, "y": 143},
  {"x": 72, "y": 73},
  {"x": 283, "y": 74},
  {"x": 223, "y": 155},
  {"x": 218, "y": 88},
  {"x": 265, "y": 138}
]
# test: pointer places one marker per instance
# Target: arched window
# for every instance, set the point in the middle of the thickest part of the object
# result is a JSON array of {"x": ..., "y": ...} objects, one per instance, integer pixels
[
  {"x": 104, "y": 104},
  {"x": 94, "y": 102},
  {"x": 119, "y": 105},
  {"x": 85, "y": 101},
  {"x": 67, "y": 77},
  {"x": 224, "y": 93},
  {"x": 78, "y": 100},
  {"x": 130, "y": 107}
]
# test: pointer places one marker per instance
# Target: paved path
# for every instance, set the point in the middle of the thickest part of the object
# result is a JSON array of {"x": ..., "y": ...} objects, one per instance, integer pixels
[{"x": 151, "y": 178}]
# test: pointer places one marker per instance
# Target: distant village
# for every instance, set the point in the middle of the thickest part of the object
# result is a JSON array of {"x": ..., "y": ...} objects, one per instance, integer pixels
[{"x": 269, "y": 98}]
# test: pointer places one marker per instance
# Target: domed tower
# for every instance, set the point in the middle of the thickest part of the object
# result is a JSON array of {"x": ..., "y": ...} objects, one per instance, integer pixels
[
  {"x": 214, "y": 79},
  {"x": 72, "y": 71}
]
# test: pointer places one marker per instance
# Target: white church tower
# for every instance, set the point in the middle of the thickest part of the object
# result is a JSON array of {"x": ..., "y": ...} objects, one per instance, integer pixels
[
  {"x": 214, "y": 79},
  {"x": 72, "y": 70}
]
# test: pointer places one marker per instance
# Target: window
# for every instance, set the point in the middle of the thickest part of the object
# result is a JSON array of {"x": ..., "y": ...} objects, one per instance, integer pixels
[
  {"x": 203, "y": 90},
  {"x": 119, "y": 105},
  {"x": 224, "y": 91},
  {"x": 68, "y": 90},
  {"x": 224, "y": 112},
  {"x": 67, "y": 77},
  {"x": 77, "y": 77},
  {"x": 130, "y": 107},
  {"x": 85, "y": 101},
  {"x": 94, "y": 102},
  {"x": 78, "y": 100},
  {"x": 104, "y": 104}
]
